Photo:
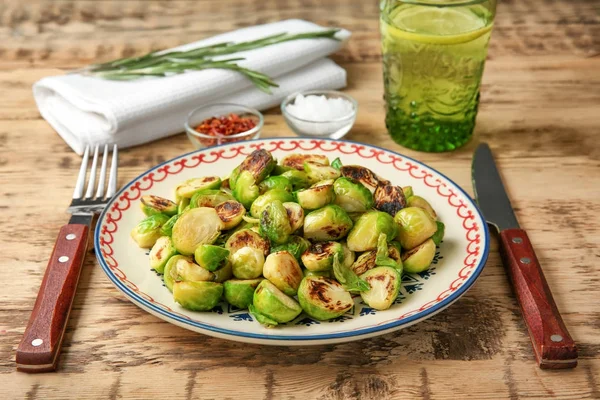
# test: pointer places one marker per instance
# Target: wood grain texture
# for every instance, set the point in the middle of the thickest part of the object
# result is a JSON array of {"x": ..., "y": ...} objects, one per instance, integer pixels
[{"x": 539, "y": 113}]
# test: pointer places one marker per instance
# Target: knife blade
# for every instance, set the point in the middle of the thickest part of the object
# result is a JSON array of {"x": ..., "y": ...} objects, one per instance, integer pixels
[{"x": 552, "y": 344}]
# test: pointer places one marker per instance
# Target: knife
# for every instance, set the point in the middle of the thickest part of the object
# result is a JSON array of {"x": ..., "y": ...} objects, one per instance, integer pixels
[{"x": 552, "y": 345}]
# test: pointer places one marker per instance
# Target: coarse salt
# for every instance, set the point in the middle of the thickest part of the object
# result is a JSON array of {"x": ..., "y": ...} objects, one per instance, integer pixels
[{"x": 319, "y": 108}]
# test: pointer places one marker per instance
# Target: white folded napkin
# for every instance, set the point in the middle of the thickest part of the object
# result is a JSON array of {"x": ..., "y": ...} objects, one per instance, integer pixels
[{"x": 86, "y": 110}]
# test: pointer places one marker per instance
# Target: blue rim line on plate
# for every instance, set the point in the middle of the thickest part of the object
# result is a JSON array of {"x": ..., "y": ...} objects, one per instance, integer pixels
[{"x": 359, "y": 332}]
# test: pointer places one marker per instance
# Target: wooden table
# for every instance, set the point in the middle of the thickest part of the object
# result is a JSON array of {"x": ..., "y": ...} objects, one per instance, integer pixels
[{"x": 539, "y": 112}]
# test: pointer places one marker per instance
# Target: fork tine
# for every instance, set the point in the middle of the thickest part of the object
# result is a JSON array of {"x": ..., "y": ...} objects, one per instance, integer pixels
[
  {"x": 100, "y": 191},
  {"x": 78, "y": 192},
  {"x": 90, "y": 188},
  {"x": 112, "y": 180}
]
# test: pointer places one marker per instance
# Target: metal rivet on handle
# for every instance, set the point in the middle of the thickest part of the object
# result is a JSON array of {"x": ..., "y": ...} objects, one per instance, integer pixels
[
  {"x": 36, "y": 342},
  {"x": 517, "y": 240},
  {"x": 525, "y": 260},
  {"x": 556, "y": 338},
  {"x": 63, "y": 259},
  {"x": 71, "y": 236}
]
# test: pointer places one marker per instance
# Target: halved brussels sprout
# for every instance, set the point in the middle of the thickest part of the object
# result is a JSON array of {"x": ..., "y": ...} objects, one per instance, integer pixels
[
  {"x": 246, "y": 190},
  {"x": 389, "y": 199},
  {"x": 197, "y": 296},
  {"x": 408, "y": 191},
  {"x": 182, "y": 268},
  {"x": 264, "y": 200},
  {"x": 367, "y": 229},
  {"x": 247, "y": 263},
  {"x": 328, "y": 223},
  {"x": 147, "y": 232},
  {"x": 319, "y": 256},
  {"x": 273, "y": 303},
  {"x": 191, "y": 186},
  {"x": 337, "y": 163},
  {"x": 209, "y": 198},
  {"x": 262, "y": 319},
  {"x": 296, "y": 245},
  {"x": 347, "y": 278},
  {"x": 326, "y": 274},
  {"x": 259, "y": 163},
  {"x": 275, "y": 224},
  {"x": 438, "y": 236},
  {"x": 162, "y": 250},
  {"x": 295, "y": 215},
  {"x": 420, "y": 258},
  {"x": 195, "y": 227},
  {"x": 318, "y": 172},
  {"x": 211, "y": 257},
  {"x": 239, "y": 292},
  {"x": 151, "y": 205},
  {"x": 383, "y": 256},
  {"x": 296, "y": 161},
  {"x": 348, "y": 256},
  {"x": 231, "y": 213},
  {"x": 225, "y": 186},
  {"x": 298, "y": 179},
  {"x": 233, "y": 177},
  {"x": 283, "y": 271},
  {"x": 182, "y": 205},
  {"x": 418, "y": 201},
  {"x": 247, "y": 238},
  {"x": 415, "y": 226},
  {"x": 363, "y": 175},
  {"x": 224, "y": 273},
  {"x": 316, "y": 196},
  {"x": 275, "y": 182},
  {"x": 323, "y": 298},
  {"x": 368, "y": 260},
  {"x": 384, "y": 284},
  {"x": 352, "y": 196},
  {"x": 167, "y": 228}
]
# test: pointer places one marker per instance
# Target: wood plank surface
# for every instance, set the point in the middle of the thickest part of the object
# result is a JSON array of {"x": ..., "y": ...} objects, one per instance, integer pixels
[{"x": 540, "y": 112}]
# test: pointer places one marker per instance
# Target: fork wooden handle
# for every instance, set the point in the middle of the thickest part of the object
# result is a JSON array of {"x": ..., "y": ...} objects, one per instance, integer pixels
[
  {"x": 40, "y": 346},
  {"x": 552, "y": 344}
]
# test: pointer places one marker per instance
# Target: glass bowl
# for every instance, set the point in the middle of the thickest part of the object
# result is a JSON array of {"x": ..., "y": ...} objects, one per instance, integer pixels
[
  {"x": 202, "y": 140},
  {"x": 332, "y": 129}
]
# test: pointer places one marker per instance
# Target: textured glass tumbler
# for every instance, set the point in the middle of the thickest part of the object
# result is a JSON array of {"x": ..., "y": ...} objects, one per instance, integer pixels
[{"x": 433, "y": 57}]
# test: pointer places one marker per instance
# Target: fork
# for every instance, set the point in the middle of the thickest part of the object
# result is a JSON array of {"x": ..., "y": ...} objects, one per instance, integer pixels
[{"x": 40, "y": 346}]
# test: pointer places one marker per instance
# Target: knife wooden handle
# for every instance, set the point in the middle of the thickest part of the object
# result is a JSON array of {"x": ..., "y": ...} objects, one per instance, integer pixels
[
  {"x": 40, "y": 346},
  {"x": 553, "y": 346}
]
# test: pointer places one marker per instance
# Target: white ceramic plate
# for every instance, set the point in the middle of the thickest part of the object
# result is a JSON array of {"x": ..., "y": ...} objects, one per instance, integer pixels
[{"x": 459, "y": 261}]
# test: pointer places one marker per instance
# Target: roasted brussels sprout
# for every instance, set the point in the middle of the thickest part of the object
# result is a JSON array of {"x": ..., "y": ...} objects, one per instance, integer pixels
[
  {"x": 298, "y": 179},
  {"x": 348, "y": 256},
  {"x": 389, "y": 199},
  {"x": 275, "y": 224},
  {"x": 182, "y": 268},
  {"x": 262, "y": 319},
  {"x": 326, "y": 274},
  {"x": 224, "y": 273},
  {"x": 245, "y": 190},
  {"x": 295, "y": 215},
  {"x": 233, "y": 177},
  {"x": 367, "y": 229},
  {"x": 191, "y": 186},
  {"x": 317, "y": 196},
  {"x": 167, "y": 228},
  {"x": 438, "y": 236},
  {"x": 420, "y": 258},
  {"x": 296, "y": 245},
  {"x": 408, "y": 191},
  {"x": 209, "y": 198},
  {"x": 323, "y": 298},
  {"x": 151, "y": 205},
  {"x": 318, "y": 172},
  {"x": 195, "y": 227},
  {"x": 162, "y": 250},
  {"x": 368, "y": 260},
  {"x": 384, "y": 256},
  {"x": 337, "y": 163},
  {"x": 415, "y": 226},
  {"x": 328, "y": 223},
  {"x": 283, "y": 271},
  {"x": 418, "y": 201},
  {"x": 197, "y": 296},
  {"x": 147, "y": 232},
  {"x": 259, "y": 163},
  {"x": 182, "y": 205},
  {"x": 384, "y": 284},
  {"x": 346, "y": 276},
  {"x": 275, "y": 182},
  {"x": 247, "y": 263},
  {"x": 319, "y": 256},
  {"x": 363, "y": 175},
  {"x": 264, "y": 200},
  {"x": 231, "y": 213},
  {"x": 273, "y": 303},
  {"x": 239, "y": 292},
  {"x": 296, "y": 161},
  {"x": 352, "y": 196},
  {"x": 247, "y": 238},
  {"x": 211, "y": 257}
]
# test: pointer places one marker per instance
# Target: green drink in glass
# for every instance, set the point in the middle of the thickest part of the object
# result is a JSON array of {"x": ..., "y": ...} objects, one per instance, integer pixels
[{"x": 433, "y": 57}]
